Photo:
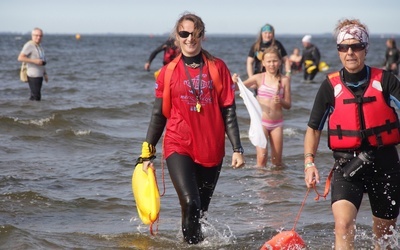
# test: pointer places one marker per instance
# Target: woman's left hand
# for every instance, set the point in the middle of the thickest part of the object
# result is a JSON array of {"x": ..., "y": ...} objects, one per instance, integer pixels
[{"x": 237, "y": 160}]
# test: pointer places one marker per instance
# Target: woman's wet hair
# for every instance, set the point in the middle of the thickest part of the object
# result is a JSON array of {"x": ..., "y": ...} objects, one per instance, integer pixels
[{"x": 199, "y": 27}]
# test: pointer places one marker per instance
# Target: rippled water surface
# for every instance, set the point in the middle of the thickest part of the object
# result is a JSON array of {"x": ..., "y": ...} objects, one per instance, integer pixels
[{"x": 67, "y": 161}]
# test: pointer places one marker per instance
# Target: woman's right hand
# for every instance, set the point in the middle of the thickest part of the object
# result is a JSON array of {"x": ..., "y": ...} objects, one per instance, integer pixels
[
  {"x": 393, "y": 66},
  {"x": 311, "y": 176},
  {"x": 235, "y": 77},
  {"x": 37, "y": 61},
  {"x": 147, "y": 165},
  {"x": 147, "y": 66}
]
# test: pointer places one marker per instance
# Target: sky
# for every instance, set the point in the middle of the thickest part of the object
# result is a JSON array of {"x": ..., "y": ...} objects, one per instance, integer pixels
[{"x": 157, "y": 17}]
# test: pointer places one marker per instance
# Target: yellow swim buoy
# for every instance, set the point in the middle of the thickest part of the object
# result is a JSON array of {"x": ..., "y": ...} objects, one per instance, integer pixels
[
  {"x": 157, "y": 73},
  {"x": 77, "y": 36},
  {"x": 323, "y": 66},
  {"x": 146, "y": 194},
  {"x": 311, "y": 69},
  {"x": 308, "y": 63}
]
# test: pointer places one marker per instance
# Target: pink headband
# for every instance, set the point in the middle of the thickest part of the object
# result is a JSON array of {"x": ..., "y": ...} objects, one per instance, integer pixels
[{"x": 352, "y": 31}]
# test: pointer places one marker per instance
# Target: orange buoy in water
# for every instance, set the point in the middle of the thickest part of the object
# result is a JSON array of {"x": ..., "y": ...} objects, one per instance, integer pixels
[
  {"x": 286, "y": 240},
  {"x": 78, "y": 36}
]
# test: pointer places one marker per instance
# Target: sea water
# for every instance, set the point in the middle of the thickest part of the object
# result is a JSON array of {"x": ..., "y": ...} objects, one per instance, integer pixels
[{"x": 67, "y": 161}]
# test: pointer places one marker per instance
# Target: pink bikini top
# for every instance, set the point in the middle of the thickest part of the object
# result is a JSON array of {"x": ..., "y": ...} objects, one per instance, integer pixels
[{"x": 266, "y": 91}]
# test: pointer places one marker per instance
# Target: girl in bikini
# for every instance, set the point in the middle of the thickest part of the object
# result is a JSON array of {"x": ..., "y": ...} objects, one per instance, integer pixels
[{"x": 273, "y": 94}]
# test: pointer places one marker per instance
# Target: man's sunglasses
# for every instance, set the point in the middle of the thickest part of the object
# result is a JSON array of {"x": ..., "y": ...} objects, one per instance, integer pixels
[
  {"x": 185, "y": 34},
  {"x": 355, "y": 47}
]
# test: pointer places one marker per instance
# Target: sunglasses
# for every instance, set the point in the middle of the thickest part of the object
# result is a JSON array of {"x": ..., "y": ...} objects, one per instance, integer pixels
[
  {"x": 355, "y": 47},
  {"x": 185, "y": 34}
]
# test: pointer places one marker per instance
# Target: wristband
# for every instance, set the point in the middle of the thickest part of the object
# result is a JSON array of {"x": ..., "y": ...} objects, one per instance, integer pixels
[
  {"x": 308, "y": 165},
  {"x": 140, "y": 160},
  {"x": 238, "y": 150},
  {"x": 308, "y": 155}
]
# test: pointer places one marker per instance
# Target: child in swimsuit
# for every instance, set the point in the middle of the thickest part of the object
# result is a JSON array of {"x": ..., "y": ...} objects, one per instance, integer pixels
[
  {"x": 273, "y": 94},
  {"x": 295, "y": 60}
]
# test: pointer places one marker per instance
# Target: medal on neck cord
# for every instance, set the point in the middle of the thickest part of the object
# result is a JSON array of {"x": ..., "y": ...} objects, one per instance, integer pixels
[{"x": 197, "y": 95}]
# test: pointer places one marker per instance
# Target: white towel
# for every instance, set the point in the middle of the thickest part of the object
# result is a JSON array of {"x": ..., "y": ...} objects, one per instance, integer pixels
[{"x": 256, "y": 133}]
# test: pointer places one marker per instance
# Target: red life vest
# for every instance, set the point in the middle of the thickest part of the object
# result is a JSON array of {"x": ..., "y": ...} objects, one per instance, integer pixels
[
  {"x": 166, "y": 105},
  {"x": 356, "y": 118}
]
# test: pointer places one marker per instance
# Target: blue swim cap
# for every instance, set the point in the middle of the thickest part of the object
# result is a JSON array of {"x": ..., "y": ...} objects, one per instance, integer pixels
[{"x": 267, "y": 28}]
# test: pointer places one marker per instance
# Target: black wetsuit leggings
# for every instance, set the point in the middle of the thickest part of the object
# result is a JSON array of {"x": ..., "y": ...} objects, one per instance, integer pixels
[
  {"x": 35, "y": 84},
  {"x": 194, "y": 185}
]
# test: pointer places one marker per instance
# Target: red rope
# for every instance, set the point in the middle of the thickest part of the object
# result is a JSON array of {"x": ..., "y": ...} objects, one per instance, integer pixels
[
  {"x": 301, "y": 209},
  {"x": 327, "y": 186},
  {"x": 326, "y": 191},
  {"x": 151, "y": 226},
  {"x": 162, "y": 167}
]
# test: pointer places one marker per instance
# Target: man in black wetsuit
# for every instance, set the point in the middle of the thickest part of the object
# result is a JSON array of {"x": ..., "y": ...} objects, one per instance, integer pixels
[
  {"x": 392, "y": 57},
  {"x": 310, "y": 58},
  {"x": 170, "y": 52}
]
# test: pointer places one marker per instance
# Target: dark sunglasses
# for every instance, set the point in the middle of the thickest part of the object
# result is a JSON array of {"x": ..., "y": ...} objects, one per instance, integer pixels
[
  {"x": 354, "y": 47},
  {"x": 185, "y": 34}
]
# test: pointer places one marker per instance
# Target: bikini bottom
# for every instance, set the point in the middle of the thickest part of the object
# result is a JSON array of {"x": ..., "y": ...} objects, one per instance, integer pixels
[{"x": 272, "y": 124}]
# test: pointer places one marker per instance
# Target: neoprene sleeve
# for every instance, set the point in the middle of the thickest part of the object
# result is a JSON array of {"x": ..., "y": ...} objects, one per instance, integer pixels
[
  {"x": 157, "y": 123},
  {"x": 231, "y": 125}
]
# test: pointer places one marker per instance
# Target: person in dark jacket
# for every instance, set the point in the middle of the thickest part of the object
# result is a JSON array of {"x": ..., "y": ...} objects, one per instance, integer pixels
[
  {"x": 170, "y": 52},
  {"x": 392, "y": 56},
  {"x": 265, "y": 39},
  {"x": 310, "y": 58}
]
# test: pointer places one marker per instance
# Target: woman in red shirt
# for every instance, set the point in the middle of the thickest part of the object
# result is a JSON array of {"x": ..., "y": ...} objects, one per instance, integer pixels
[{"x": 195, "y": 102}]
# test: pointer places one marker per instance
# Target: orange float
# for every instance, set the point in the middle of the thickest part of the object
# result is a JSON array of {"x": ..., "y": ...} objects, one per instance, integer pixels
[
  {"x": 288, "y": 240},
  {"x": 285, "y": 240}
]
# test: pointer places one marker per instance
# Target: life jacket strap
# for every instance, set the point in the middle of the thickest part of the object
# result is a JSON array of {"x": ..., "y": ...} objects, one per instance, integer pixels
[{"x": 360, "y": 100}]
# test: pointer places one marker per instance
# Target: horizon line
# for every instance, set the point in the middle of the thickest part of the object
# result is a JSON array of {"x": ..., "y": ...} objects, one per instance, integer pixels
[{"x": 167, "y": 34}]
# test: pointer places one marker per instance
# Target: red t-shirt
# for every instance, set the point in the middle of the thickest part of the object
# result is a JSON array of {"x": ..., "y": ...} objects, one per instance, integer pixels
[{"x": 200, "y": 135}]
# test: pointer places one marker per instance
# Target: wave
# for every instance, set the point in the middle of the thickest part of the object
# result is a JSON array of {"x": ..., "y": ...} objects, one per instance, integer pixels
[{"x": 38, "y": 122}]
